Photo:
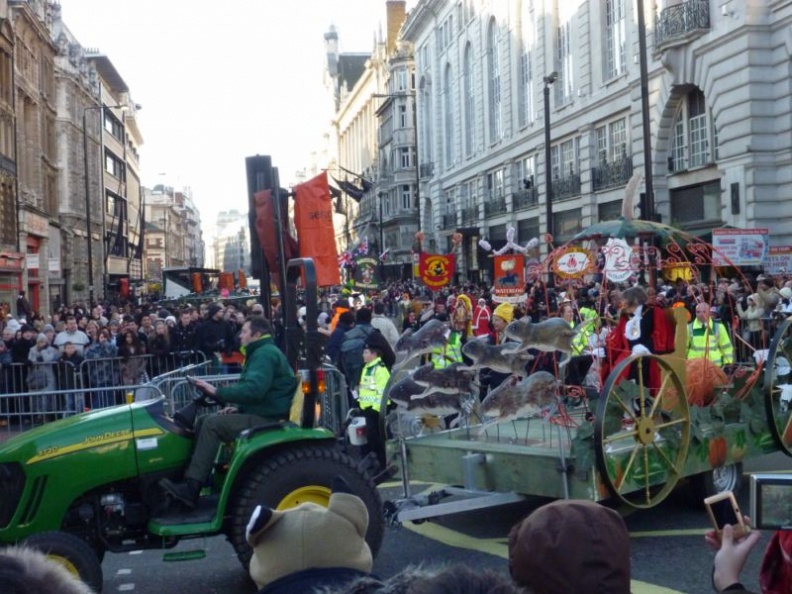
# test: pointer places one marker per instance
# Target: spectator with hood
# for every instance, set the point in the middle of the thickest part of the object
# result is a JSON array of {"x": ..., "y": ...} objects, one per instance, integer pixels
[{"x": 571, "y": 546}]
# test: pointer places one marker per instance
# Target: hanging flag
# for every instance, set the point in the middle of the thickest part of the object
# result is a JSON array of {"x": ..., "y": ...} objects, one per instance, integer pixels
[
  {"x": 363, "y": 247},
  {"x": 265, "y": 229},
  {"x": 364, "y": 183},
  {"x": 350, "y": 189},
  {"x": 313, "y": 217},
  {"x": 436, "y": 271},
  {"x": 366, "y": 273},
  {"x": 384, "y": 255},
  {"x": 345, "y": 259}
]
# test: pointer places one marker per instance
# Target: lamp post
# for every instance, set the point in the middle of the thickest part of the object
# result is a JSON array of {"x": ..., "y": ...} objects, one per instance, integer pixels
[{"x": 548, "y": 80}]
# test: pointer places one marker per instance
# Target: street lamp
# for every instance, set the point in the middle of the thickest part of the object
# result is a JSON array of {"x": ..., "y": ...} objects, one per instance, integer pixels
[
  {"x": 548, "y": 80},
  {"x": 88, "y": 198}
]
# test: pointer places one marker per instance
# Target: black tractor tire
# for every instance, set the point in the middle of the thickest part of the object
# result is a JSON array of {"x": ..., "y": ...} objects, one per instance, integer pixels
[
  {"x": 73, "y": 553},
  {"x": 288, "y": 471}
]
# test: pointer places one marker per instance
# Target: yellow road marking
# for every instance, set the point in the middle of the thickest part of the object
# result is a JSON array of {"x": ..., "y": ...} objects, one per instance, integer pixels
[{"x": 499, "y": 547}]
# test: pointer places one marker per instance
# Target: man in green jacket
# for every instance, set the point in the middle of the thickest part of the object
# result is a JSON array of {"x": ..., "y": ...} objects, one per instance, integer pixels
[{"x": 263, "y": 393}]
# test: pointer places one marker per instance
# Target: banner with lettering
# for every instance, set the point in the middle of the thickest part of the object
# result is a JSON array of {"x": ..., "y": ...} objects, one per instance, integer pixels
[
  {"x": 313, "y": 217},
  {"x": 366, "y": 272},
  {"x": 739, "y": 247},
  {"x": 437, "y": 270},
  {"x": 779, "y": 260},
  {"x": 509, "y": 279}
]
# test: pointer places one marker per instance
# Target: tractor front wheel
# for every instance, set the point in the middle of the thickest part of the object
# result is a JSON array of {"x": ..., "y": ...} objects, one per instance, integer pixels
[{"x": 71, "y": 552}]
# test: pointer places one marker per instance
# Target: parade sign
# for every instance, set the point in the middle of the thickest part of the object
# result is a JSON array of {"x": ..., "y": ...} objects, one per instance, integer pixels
[
  {"x": 509, "y": 285},
  {"x": 573, "y": 263},
  {"x": 366, "y": 272},
  {"x": 436, "y": 270},
  {"x": 739, "y": 247},
  {"x": 779, "y": 260},
  {"x": 621, "y": 262}
]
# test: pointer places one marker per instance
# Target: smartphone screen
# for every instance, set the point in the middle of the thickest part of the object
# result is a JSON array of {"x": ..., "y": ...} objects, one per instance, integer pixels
[{"x": 723, "y": 513}]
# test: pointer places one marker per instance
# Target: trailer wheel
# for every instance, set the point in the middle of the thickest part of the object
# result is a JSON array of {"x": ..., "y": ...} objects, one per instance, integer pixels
[
  {"x": 302, "y": 474},
  {"x": 778, "y": 394},
  {"x": 71, "y": 552},
  {"x": 641, "y": 439},
  {"x": 718, "y": 480}
]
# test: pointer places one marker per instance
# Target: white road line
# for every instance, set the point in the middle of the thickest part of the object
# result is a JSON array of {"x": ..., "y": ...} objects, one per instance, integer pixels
[
  {"x": 126, "y": 587},
  {"x": 123, "y": 572}
]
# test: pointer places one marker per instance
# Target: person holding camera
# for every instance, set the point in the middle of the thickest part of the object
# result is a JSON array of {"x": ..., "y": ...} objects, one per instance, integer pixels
[{"x": 263, "y": 393}]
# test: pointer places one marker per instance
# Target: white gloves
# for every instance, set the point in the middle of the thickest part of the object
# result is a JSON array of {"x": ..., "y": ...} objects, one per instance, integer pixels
[{"x": 640, "y": 349}]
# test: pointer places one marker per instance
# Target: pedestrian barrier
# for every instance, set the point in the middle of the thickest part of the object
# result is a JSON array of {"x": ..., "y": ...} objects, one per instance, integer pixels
[{"x": 35, "y": 393}]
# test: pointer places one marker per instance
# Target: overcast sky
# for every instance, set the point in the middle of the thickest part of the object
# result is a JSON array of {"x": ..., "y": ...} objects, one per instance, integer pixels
[{"x": 224, "y": 80}]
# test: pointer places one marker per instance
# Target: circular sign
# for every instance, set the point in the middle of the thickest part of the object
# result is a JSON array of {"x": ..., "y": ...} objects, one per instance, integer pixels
[{"x": 573, "y": 263}]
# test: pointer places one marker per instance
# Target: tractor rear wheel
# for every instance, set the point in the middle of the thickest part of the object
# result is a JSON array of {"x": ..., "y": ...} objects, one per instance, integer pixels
[{"x": 302, "y": 474}]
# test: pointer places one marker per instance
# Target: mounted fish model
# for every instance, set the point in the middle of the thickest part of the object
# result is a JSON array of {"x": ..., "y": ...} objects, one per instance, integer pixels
[{"x": 432, "y": 335}]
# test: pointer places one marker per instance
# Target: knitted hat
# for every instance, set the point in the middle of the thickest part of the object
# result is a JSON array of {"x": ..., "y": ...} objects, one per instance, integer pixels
[
  {"x": 213, "y": 309},
  {"x": 571, "y": 546},
  {"x": 48, "y": 328},
  {"x": 170, "y": 319},
  {"x": 313, "y": 536},
  {"x": 786, "y": 293},
  {"x": 42, "y": 337},
  {"x": 504, "y": 311},
  {"x": 13, "y": 325}
]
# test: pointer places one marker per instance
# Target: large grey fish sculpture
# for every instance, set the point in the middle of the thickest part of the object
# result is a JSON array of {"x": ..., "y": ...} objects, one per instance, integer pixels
[
  {"x": 434, "y": 334},
  {"x": 515, "y": 399},
  {"x": 454, "y": 379},
  {"x": 414, "y": 398},
  {"x": 500, "y": 357}
]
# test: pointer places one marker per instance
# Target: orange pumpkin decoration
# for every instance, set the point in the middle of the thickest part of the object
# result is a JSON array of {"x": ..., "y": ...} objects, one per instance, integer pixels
[
  {"x": 717, "y": 451},
  {"x": 702, "y": 379}
]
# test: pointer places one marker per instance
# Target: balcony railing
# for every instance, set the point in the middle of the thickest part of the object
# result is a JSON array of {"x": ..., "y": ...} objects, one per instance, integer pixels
[
  {"x": 7, "y": 165},
  {"x": 426, "y": 170},
  {"x": 495, "y": 207},
  {"x": 449, "y": 221},
  {"x": 525, "y": 198},
  {"x": 470, "y": 216},
  {"x": 612, "y": 175},
  {"x": 566, "y": 187},
  {"x": 682, "y": 22}
]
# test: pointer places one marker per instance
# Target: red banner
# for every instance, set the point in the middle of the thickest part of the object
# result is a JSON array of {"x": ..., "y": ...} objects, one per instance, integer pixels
[
  {"x": 509, "y": 281},
  {"x": 265, "y": 229},
  {"x": 436, "y": 270},
  {"x": 313, "y": 217}
]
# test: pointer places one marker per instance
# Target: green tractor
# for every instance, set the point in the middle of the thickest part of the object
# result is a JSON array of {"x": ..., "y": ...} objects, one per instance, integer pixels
[{"x": 82, "y": 486}]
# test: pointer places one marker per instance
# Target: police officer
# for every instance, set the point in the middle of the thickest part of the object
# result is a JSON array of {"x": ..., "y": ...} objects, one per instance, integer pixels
[{"x": 373, "y": 379}]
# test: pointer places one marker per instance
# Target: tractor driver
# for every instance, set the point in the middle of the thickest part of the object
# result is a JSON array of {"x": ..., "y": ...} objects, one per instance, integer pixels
[{"x": 263, "y": 393}]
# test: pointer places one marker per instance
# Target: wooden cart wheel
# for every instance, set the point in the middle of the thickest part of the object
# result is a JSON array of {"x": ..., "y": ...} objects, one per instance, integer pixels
[
  {"x": 778, "y": 386},
  {"x": 641, "y": 436}
]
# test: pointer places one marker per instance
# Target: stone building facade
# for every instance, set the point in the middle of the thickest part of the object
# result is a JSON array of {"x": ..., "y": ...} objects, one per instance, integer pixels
[
  {"x": 719, "y": 110},
  {"x": 36, "y": 150}
]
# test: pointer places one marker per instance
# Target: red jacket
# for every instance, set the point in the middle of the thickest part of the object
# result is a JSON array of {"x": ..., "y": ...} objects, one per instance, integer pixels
[{"x": 657, "y": 334}]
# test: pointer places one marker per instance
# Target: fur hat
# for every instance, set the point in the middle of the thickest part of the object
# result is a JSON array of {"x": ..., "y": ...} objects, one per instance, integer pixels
[
  {"x": 504, "y": 311},
  {"x": 314, "y": 536},
  {"x": 571, "y": 546},
  {"x": 25, "y": 569}
]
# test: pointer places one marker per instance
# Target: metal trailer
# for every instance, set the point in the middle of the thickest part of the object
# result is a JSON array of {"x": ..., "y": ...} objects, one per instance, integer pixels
[{"x": 599, "y": 447}]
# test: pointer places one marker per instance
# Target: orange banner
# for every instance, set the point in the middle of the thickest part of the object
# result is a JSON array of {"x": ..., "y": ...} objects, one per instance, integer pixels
[
  {"x": 313, "y": 217},
  {"x": 265, "y": 229},
  {"x": 436, "y": 270}
]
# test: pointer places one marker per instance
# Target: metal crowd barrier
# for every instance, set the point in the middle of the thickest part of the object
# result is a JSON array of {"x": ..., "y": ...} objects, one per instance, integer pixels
[{"x": 65, "y": 390}]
